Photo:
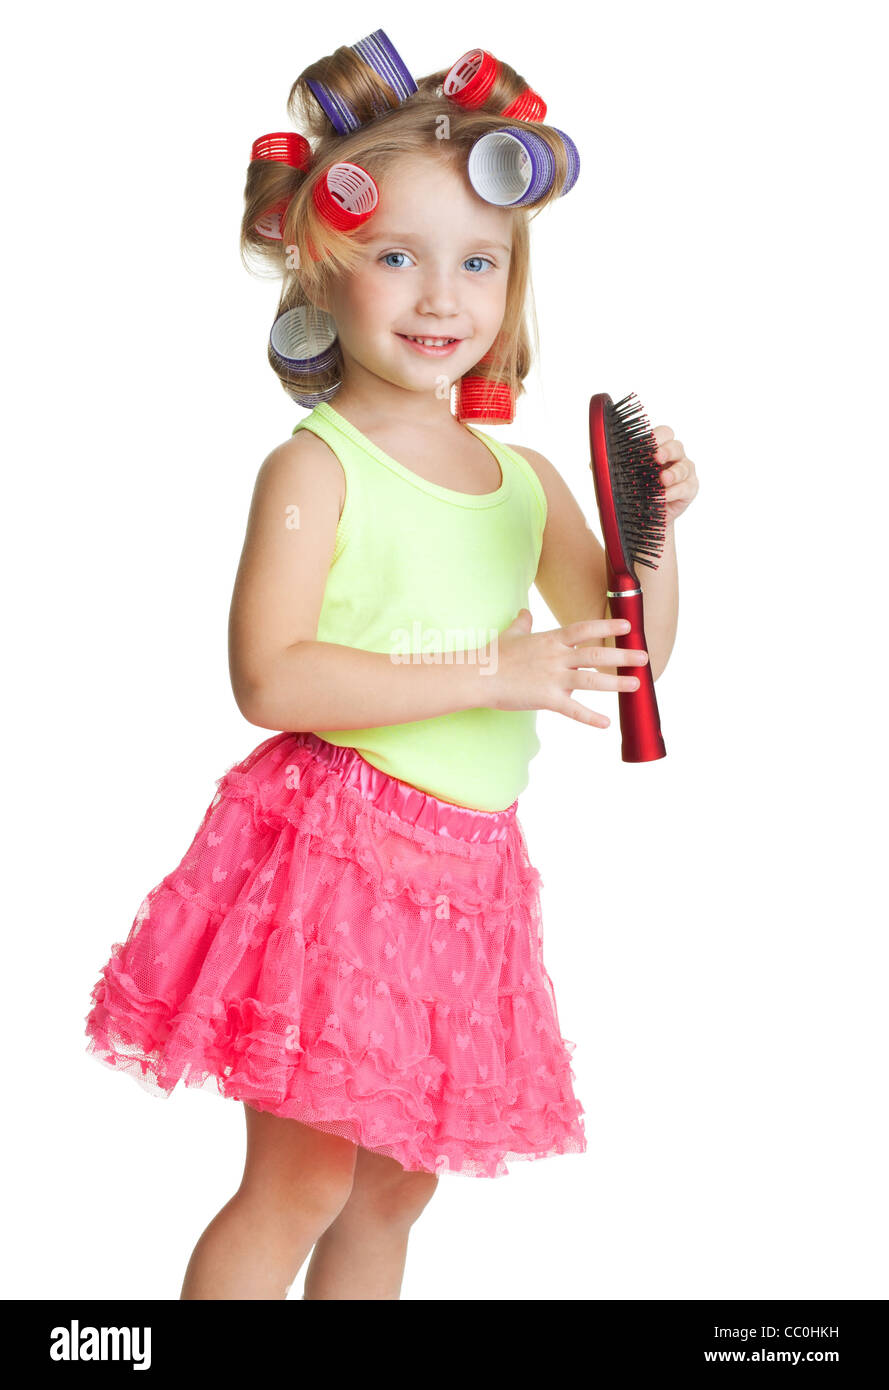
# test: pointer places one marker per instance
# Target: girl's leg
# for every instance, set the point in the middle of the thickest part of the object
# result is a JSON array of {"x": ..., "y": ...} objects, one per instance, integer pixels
[
  {"x": 361, "y": 1255},
  {"x": 296, "y": 1181}
]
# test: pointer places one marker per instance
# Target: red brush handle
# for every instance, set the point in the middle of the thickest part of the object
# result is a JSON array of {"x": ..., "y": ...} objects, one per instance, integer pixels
[{"x": 640, "y": 721}]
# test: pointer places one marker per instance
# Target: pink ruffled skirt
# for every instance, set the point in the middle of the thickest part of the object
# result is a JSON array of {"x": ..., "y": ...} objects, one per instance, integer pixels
[{"x": 344, "y": 949}]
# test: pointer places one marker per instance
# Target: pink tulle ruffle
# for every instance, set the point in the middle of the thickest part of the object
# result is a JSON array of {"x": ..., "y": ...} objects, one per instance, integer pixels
[{"x": 326, "y": 960}]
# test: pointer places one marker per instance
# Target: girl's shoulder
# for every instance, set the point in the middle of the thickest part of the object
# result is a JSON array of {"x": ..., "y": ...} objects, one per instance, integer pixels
[
  {"x": 542, "y": 466},
  {"x": 552, "y": 482},
  {"x": 539, "y": 471},
  {"x": 307, "y": 463}
]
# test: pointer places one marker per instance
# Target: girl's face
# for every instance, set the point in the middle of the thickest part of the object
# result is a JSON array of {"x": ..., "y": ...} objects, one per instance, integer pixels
[{"x": 436, "y": 266}]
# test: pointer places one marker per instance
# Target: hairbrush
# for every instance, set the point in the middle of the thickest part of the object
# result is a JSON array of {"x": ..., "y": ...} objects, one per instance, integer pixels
[{"x": 630, "y": 498}]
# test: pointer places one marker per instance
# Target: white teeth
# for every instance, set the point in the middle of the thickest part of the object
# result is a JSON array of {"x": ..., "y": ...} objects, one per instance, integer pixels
[{"x": 430, "y": 342}]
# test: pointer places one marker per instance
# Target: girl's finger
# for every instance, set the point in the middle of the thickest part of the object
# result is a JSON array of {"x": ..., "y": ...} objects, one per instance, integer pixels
[
  {"x": 575, "y": 710},
  {"x": 598, "y": 680},
  {"x": 676, "y": 474},
  {"x": 597, "y": 657}
]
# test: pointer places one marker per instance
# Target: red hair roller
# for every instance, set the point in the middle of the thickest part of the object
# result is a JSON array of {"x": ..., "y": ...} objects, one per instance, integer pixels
[
  {"x": 470, "y": 82},
  {"x": 345, "y": 196},
  {"x": 284, "y": 147},
  {"x": 481, "y": 399},
  {"x": 527, "y": 106}
]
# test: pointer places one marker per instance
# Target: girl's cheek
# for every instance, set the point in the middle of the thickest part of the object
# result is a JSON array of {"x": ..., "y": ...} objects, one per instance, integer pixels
[{"x": 370, "y": 296}]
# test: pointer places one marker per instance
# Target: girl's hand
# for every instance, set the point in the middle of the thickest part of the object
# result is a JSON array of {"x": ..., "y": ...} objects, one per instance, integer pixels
[
  {"x": 539, "y": 670},
  {"x": 680, "y": 479}
]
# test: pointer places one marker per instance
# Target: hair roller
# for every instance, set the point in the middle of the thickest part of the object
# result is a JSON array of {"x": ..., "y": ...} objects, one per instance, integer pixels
[
  {"x": 281, "y": 147},
  {"x": 379, "y": 54},
  {"x": 285, "y": 146},
  {"x": 471, "y": 81},
  {"x": 573, "y": 161},
  {"x": 302, "y": 341},
  {"x": 515, "y": 167},
  {"x": 479, "y": 398},
  {"x": 510, "y": 168},
  {"x": 345, "y": 196},
  {"x": 271, "y": 223},
  {"x": 528, "y": 106}
]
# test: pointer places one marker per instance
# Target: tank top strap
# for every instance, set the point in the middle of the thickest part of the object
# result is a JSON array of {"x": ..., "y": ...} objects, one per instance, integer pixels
[
  {"x": 352, "y": 461},
  {"x": 323, "y": 426},
  {"x": 346, "y": 449}
]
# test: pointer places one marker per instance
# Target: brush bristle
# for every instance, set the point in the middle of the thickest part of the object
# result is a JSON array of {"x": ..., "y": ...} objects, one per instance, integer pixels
[{"x": 635, "y": 481}]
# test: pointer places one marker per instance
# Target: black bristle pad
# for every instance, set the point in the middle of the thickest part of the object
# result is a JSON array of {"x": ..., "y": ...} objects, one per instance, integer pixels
[{"x": 635, "y": 481}]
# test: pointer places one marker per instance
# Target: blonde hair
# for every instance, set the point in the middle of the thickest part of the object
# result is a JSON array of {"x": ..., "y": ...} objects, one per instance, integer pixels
[{"x": 390, "y": 131}]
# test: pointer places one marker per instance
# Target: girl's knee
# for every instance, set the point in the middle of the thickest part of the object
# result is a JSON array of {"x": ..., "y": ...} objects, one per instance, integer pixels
[
  {"x": 296, "y": 1171},
  {"x": 322, "y": 1195},
  {"x": 419, "y": 1193},
  {"x": 311, "y": 1200},
  {"x": 404, "y": 1198}
]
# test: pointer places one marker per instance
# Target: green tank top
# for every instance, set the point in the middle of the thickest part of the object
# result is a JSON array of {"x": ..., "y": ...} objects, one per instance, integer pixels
[{"x": 421, "y": 568}]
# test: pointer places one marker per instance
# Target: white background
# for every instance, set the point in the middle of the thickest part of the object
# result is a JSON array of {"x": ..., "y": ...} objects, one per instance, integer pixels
[{"x": 714, "y": 922}]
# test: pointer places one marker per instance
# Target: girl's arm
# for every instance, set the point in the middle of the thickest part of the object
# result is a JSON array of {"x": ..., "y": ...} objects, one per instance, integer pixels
[
  {"x": 282, "y": 677},
  {"x": 571, "y": 570},
  {"x": 571, "y": 574}
]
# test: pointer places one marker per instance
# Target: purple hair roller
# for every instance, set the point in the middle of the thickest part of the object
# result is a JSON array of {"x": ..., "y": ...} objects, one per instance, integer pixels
[
  {"x": 573, "y": 162},
  {"x": 378, "y": 52},
  {"x": 510, "y": 168},
  {"x": 302, "y": 340},
  {"x": 340, "y": 115}
]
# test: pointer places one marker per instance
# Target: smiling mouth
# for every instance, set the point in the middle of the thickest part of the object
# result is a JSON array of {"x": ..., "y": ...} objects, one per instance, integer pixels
[{"x": 429, "y": 342}]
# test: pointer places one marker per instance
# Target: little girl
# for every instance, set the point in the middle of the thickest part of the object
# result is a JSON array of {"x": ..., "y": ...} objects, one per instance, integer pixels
[{"x": 352, "y": 944}]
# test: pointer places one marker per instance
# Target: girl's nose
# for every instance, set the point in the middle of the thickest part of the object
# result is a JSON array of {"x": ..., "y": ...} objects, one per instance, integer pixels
[{"x": 438, "y": 296}]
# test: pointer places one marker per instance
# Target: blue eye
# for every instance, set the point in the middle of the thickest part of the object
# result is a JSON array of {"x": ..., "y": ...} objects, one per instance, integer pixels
[
  {"x": 483, "y": 260},
  {"x": 385, "y": 259}
]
